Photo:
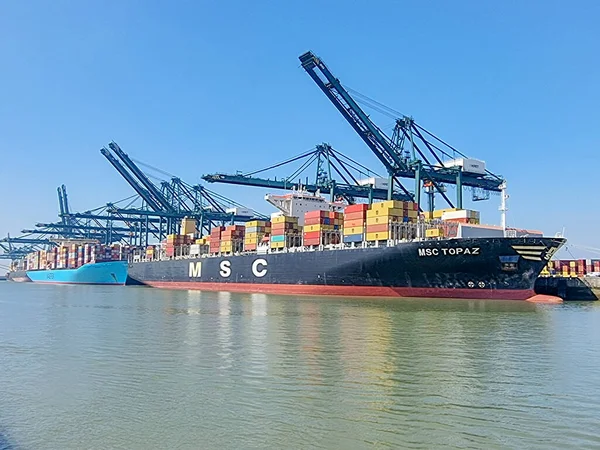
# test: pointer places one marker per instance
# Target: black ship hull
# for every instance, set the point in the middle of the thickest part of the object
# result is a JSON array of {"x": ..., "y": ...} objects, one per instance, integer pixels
[{"x": 480, "y": 268}]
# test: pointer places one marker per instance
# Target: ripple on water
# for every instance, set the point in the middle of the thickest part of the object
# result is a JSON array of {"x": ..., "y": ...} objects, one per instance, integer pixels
[{"x": 96, "y": 367}]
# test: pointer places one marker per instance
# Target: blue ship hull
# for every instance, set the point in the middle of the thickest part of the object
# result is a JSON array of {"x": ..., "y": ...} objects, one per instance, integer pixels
[{"x": 112, "y": 272}]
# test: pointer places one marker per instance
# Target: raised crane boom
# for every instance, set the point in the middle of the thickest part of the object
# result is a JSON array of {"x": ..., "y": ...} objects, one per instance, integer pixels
[
  {"x": 141, "y": 191},
  {"x": 355, "y": 116},
  {"x": 61, "y": 205},
  {"x": 390, "y": 151},
  {"x": 150, "y": 187}
]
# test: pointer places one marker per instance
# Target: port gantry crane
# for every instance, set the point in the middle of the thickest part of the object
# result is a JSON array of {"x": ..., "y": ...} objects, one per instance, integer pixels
[
  {"x": 405, "y": 154},
  {"x": 46, "y": 235},
  {"x": 175, "y": 199},
  {"x": 327, "y": 161}
]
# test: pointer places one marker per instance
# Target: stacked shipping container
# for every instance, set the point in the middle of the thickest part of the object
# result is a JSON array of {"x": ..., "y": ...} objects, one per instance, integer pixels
[
  {"x": 232, "y": 239},
  {"x": 75, "y": 255},
  {"x": 382, "y": 215},
  {"x": 256, "y": 230},
  {"x": 355, "y": 217},
  {"x": 285, "y": 232},
  {"x": 215, "y": 239},
  {"x": 173, "y": 240},
  {"x": 322, "y": 228},
  {"x": 572, "y": 267}
]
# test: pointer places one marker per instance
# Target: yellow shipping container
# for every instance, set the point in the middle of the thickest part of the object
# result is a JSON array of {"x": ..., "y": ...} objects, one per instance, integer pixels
[
  {"x": 317, "y": 227},
  {"x": 277, "y": 244},
  {"x": 434, "y": 232},
  {"x": 438, "y": 213},
  {"x": 383, "y": 219},
  {"x": 388, "y": 204},
  {"x": 413, "y": 214},
  {"x": 253, "y": 240},
  {"x": 188, "y": 226},
  {"x": 257, "y": 223},
  {"x": 284, "y": 219},
  {"x": 353, "y": 230},
  {"x": 380, "y": 236},
  {"x": 254, "y": 234},
  {"x": 384, "y": 212}
]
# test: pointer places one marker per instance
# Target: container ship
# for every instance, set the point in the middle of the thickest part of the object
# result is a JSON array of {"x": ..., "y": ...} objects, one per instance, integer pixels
[
  {"x": 74, "y": 263},
  {"x": 387, "y": 249}
]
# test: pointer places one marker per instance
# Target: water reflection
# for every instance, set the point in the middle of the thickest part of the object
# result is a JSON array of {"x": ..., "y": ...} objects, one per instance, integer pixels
[{"x": 161, "y": 369}]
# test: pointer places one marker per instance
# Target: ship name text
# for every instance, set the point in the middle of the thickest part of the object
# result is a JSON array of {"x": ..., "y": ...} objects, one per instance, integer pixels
[{"x": 452, "y": 251}]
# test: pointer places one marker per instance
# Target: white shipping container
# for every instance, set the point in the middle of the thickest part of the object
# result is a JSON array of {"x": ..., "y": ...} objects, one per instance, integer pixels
[
  {"x": 378, "y": 183},
  {"x": 461, "y": 214},
  {"x": 240, "y": 211},
  {"x": 467, "y": 164}
]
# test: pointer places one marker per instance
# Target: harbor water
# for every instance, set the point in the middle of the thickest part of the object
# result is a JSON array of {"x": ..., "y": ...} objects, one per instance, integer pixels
[{"x": 93, "y": 367}]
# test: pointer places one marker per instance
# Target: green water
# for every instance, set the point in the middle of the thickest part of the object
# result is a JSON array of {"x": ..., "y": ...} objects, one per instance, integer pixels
[{"x": 85, "y": 367}]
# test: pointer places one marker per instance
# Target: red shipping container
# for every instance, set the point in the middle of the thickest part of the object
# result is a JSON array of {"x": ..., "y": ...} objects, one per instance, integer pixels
[
  {"x": 280, "y": 227},
  {"x": 217, "y": 231},
  {"x": 354, "y": 223},
  {"x": 355, "y": 215},
  {"x": 312, "y": 234},
  {"x": 312, "y": 214},
  {"x": 378, "y": 228},
  {"x": 356, "y": 208},
  {"x": 312, "y": 241},
  {"x": 335, "y": 215},
  {"x": 250, "y": 247},
  {"x": 230, "y": 234},
  {"x": 313, "y": 220}
]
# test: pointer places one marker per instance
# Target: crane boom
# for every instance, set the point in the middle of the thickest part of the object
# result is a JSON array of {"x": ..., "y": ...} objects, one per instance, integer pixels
[
  {"x": 339, "y": 189},
  {"x": 131, "y": 181},
  {"x": 61, "y": 205},
  {"x": 355, "y": 116},
  {"x": 150, "y": 187}
]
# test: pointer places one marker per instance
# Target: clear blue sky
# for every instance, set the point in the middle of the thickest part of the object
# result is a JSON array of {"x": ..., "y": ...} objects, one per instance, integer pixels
[{"x": 197, "y": 87}]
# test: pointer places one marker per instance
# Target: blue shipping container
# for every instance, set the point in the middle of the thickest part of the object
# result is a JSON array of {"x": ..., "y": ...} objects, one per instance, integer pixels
[{"x": 353, "y": 238}]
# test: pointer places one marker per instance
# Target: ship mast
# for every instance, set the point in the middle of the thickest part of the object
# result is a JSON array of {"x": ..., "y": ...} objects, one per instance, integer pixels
[{"x": 503, "y": 208}]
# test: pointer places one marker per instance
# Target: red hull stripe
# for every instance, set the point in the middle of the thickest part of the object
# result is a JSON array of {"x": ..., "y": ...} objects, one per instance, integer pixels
[{"x": 348, "y": 291}]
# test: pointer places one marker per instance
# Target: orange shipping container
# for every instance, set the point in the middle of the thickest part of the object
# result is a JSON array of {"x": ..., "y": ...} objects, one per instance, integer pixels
[
  {"x": 378, "y": 228},
  {"x": 354, "y": 223},
  {"x": 313, "y": 214},
  {"x": 312, "y": 234},
  {"x": 313, "y": 220},
  {"x": 355, "y": 215},
  {"x": 356, "y": 208}
]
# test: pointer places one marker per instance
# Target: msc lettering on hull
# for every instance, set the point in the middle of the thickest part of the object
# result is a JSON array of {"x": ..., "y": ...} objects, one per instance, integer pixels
[
  {"x": 259, "y": 268},
  {"x": 453, "y": 251},
  {"x": 195, "y": 269}
]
